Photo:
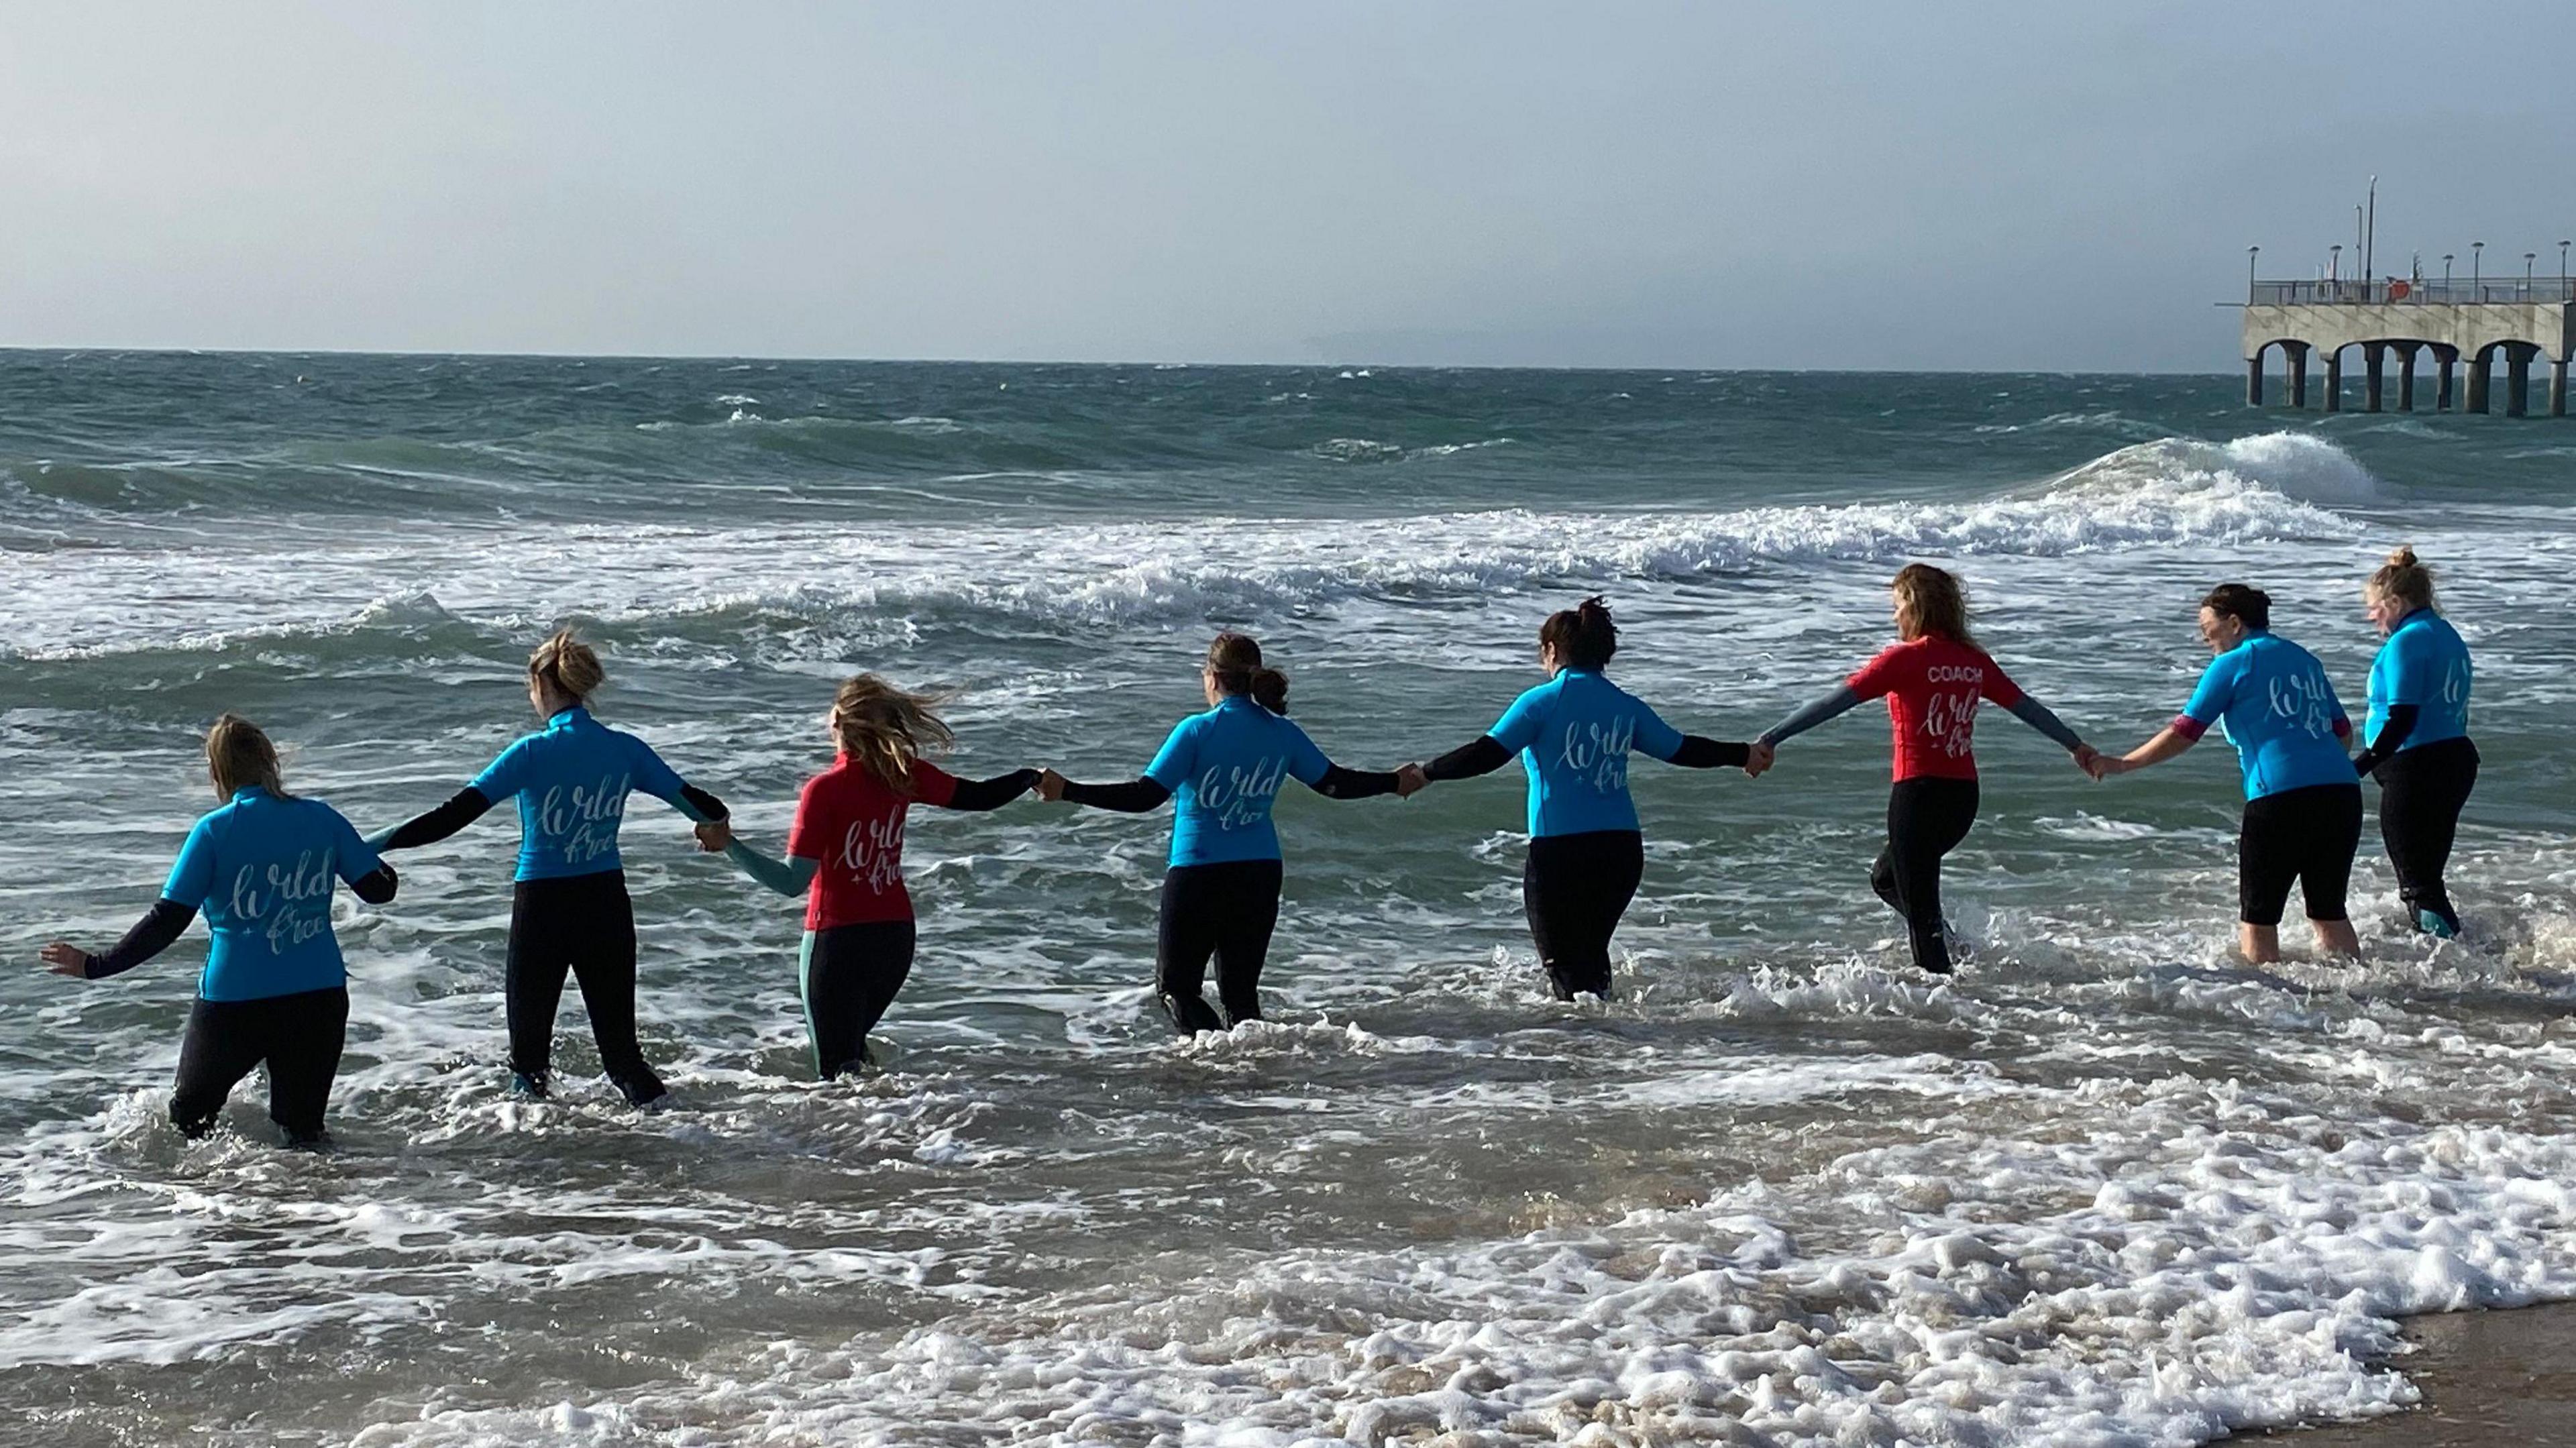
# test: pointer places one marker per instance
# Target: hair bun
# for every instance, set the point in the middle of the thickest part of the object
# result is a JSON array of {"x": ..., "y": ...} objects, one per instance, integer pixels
[{"x": 2404, "y": 557}]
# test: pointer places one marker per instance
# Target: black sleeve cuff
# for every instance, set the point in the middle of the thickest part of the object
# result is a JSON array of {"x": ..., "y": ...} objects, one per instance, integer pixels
[
  {"x": 1698, "y": 752},
  {"x": 1136, "y": 796}
]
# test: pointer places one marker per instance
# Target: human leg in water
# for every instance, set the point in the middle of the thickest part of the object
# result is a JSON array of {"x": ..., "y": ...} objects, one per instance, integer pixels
[
  {"x": 2305, "y": 837},
  {"x": 849, "y": 974},
  {"x": 1926, "y": 819},
  {"x": 1225, "y": 911},
  {"x": 305, "y": 1034},
  {"x": 298, "y": 1036},
  {"x": 604, "y": 963},
  {"x": 584, "y": 924},
  {"x": 1243, "y": 940},
  {"x": 2422, "y": 792},
  {"x": 1575, "y": 888}
]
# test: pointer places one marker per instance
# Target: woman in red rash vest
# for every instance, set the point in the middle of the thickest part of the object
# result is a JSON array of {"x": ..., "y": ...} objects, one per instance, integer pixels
[
  {"x": 845, "y": 854},
  {"x": 1932, "y": 679}
]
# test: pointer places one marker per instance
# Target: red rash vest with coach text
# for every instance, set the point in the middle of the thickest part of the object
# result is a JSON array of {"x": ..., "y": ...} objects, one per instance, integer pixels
[
  {"x": 851, "y": 824},
  {"x": 1932, "y": 686}
]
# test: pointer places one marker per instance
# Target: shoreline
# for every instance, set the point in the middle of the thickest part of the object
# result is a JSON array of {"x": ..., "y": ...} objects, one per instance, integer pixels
[{"x": 2489, "y": 1378}]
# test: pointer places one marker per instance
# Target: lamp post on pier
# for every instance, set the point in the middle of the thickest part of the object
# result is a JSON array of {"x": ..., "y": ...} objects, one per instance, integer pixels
[
  {"x": 2477, "y": 253},
  {"x": 2527, "y": 258},
  {"x": 2252, "y": 252},
  {"x": 2446, "y": 276}
]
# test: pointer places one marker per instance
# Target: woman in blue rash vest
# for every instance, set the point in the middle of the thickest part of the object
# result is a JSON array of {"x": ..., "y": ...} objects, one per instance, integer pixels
[
  {"x": 845, "y": 854},
  {"x": 2418, "y": 728},
  {"x": 274, "y": 990},
  {"x": 569, "y": 908},
  {"x": 1573, "y": 735},
  {"x": 1221, "y": 889},
  {"x": 2302, "y": 817},
  {"x": 1933, "y": 679}
]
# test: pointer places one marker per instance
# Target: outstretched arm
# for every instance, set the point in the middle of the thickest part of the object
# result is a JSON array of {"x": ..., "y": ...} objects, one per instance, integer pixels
[
  {"x": 1483, "y": 756},
  {"x": 1136, "y": 796},
  {"x": 2170, "y": 741},
  {"x": 790, "y": 876},
  {"x": 1842, "y": 700},
  {"x": 462, "y": 808},
  {"x": 1698, "y": 751},
  {"x": 1339, "y": 783},
  {"x": 150, "y": 936},
  {"x": 979, "y": 795},
  {"x": 2036, "y": 714}
]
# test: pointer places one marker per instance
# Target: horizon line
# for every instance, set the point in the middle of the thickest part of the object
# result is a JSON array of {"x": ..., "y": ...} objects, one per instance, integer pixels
[{"x": 1166, "y": 363}]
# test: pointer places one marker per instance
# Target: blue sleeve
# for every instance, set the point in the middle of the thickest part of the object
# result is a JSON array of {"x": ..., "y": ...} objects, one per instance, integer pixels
[
  {"x": 357, "y": 858},
  {"x": 2410, "y": 670},
  {"x": 1305, "y": 761},
  {"x": 1654, "y": 736},
  {"x": 2217, "y": 690},
  {"x": 504, "y": 777},
  {"x": 192, "y": 878},
  {"x": 652, "y": 775},
  {"x": 1519, "y": 727},
  {"x": 1177, "y": 760}
]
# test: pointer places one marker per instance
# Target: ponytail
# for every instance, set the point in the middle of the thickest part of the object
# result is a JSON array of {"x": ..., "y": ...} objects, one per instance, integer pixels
[
  {"x": 2402, "y": 579},
  {"x": 1234, "y": 661},
  {"x": 568, "y": 664},
  {"x": 239, "y": 756},
  {"x": 1582, "y": 636}
]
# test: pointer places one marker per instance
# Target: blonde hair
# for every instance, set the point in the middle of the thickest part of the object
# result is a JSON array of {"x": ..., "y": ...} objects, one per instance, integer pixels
[
  {"x": 2403, "y": 579},
  {"x": 886, "y": 728},
  {"x": 567, "y": 663},
  {"x": 1937, "y": 603},
  {"x": 238, "y": 756}
]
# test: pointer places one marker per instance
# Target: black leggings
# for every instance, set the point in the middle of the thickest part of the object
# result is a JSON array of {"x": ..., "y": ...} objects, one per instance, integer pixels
[
  {"x": 849, "y": 976},
  {"x": 2303, "y": 836},
  {"x": 298, "y": 1036},
  {"x": 1226, "y": 910},
  {"x": 584, "y": 923},
  {"x": 1926, "y": 819},
  {"x": 2422, "y": 791},
  {"x": 1574, "y": 889}
]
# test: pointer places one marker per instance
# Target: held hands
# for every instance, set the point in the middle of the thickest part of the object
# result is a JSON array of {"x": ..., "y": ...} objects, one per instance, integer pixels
[
  {"x": 1410, "y": 781},
  {"x": 64, "y": 959},
  {"x": 714, "y": 835},
  {"x": 1050, "y": 785},
  {"x": 1758, "y": 758}
]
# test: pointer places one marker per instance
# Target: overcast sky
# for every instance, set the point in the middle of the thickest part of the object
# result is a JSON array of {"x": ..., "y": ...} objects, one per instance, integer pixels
[{"x": 1839, "y": 185}]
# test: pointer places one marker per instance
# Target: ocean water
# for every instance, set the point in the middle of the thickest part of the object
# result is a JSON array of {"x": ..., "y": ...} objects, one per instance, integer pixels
[{"x": 2105, "y": 1187}]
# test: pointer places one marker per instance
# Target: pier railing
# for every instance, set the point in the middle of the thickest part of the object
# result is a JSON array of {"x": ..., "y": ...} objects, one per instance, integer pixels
[{"x": 2486, "y": 291}]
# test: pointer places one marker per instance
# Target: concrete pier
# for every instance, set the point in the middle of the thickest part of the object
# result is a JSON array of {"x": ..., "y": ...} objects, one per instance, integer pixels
[{"x": 2462, "y": 322}]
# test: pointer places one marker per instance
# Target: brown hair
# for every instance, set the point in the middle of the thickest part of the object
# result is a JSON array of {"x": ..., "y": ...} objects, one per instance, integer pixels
[
  {"x": 1937, "y": 602},
  {"x": 2247, "y": 605},
  {"x": 1234, "y": 661},
  {"x": 2403, "y": 579},
  {"x": 1582, "y": 636},
  {"x": 567, "y": 663},
  {"x": 238, "y": 756},
  {"x": 886, "y": 728}
]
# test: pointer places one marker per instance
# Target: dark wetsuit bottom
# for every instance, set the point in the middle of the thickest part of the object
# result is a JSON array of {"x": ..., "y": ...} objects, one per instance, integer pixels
[
  {"x": 584, "y": 924},
  {"x": 1926, "y": 819},
  {"x": 1574, "y": 889},
  {"x": 2422, "y": 792},
  {"x": 1224, "y": 910},
  {"x": 2302, "y": 836},
  {"x": 849, "y": 976},
  {"x": 298, "y": 1036}
]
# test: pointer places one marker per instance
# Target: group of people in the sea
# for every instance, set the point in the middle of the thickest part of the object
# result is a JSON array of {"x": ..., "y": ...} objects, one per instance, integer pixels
[{"x": 264, "y": 865}]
